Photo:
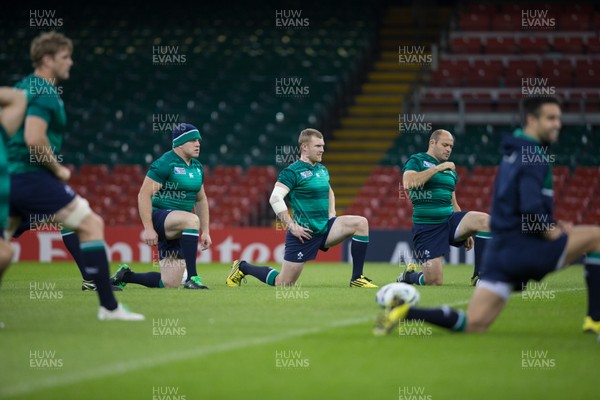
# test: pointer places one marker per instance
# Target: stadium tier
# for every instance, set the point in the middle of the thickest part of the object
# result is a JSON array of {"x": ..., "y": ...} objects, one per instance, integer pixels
[{"x": 252, "y": 86}]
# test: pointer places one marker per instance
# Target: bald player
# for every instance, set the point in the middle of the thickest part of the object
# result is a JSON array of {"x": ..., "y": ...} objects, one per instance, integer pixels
[
  {"x": 438, "y": 221},
  {"x": 519, "y": 252}
]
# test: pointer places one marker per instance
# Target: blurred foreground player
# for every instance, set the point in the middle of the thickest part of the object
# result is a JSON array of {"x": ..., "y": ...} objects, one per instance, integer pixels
[
  {"x": 314, "y": 226},
  {"x": 13, "y": 104},
  {"x": 172, "y": 189},
  {"x": 520, "y": 251},
  {"x": 35, "y": 170}
]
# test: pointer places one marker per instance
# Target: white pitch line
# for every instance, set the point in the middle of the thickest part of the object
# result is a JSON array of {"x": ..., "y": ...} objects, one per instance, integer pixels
[{"x": 149, "y": 362}]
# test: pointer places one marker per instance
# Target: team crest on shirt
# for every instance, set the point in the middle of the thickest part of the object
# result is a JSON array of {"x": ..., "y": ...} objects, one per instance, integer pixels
[
  {"x": 306, "y": 174},
  {"x": 179, "y": 171},
  {"x": 428, "y": 164}
]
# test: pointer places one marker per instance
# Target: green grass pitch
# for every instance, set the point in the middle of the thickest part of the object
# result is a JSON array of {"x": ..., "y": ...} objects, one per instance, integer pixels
[{"x": 310, "y": 342}]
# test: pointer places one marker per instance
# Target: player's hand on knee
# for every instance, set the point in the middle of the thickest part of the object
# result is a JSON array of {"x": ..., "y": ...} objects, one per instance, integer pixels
[{"x": 150, "y": 237}]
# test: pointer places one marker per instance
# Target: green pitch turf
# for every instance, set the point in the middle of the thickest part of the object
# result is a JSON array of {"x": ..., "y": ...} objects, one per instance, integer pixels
[{"x": 310, "y": 342}]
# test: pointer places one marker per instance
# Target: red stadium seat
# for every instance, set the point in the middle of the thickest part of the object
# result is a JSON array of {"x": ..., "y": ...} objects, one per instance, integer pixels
[
  {"x": 482, "y": 9},
  {"x": 474, "y": 22},
  {"x": 438, "y": 101},
  {"x": 506, "y": 22},
  {"x": 593, "y": 44},
  {"x": 587, "y": 74},
  {"x": 533, "y": 45},
  {"x": 518, "y": 70},
  {"x": 578, "y": 8},
  {"x": 500, "y": 45},
  {"x": 477, "y": 102},
  {"x": 485, "y": 73},
  {"x": 568, "y": 45},
  {"x": 94, "y": 169},
  {"x": 465, "y": 45},
  {"x": 449, "y": 73},
  {"x": 574, "y": 22},
  {"x": 558, "y": 71}
]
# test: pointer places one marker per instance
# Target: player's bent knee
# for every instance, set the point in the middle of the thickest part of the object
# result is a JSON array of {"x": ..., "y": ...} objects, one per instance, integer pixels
[
  {"x": 192, "y": 222},
  {"x": 80, "y": 212},
  {"x": 363, "y": 222},
  {"x": 284, "y": 281},
  {"x": 477, "y": 326},
  {"x": 6, "y": 255}
]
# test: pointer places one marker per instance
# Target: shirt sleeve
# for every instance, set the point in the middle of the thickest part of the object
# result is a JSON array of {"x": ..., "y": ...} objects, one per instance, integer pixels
[
  {"x": 412, "y": 165},
  {"x": 288, "y": 178},
  {"x": 159, "y": 171},
  {"x": 40, "y": 108}
]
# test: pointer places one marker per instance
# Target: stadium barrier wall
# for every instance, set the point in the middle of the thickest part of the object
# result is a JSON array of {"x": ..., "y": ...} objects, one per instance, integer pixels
[
  {"x": 253, "y": 244},
  {"x": 125, "y": 244}
]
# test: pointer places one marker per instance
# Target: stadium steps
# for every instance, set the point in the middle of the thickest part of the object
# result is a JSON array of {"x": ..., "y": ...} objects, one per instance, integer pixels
[{"x": 370, "y": 125}]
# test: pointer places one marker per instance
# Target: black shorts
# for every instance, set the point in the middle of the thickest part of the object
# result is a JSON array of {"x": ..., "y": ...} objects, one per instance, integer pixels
[
  {"x": 38, "y": 195},
  {"x": 433, "y": 240},
  {"x": 518, "y": 258},
  {"x": 298, "y": 252},
  {"x": 166, "y": 248}
]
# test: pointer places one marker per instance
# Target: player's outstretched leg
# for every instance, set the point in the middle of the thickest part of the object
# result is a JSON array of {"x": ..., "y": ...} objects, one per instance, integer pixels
[
  {"x": 241, "y": 268},
  {"x": 585, "y": 240},
  {"x": 125, "y": 275},
  {"x": 357, "y": 228},
  {"x": 484, "y": 307},
  {"x": 432, "y": 273}
]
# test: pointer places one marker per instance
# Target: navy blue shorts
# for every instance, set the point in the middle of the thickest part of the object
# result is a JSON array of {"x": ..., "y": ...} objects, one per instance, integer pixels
[
  {"x": 38, "y": 194},
  {"x": 518, "y": 258},
  {"x": 298, "y": 252},
  {"x": 166, "y": 248},
  {"x": 433, "y": 240}
]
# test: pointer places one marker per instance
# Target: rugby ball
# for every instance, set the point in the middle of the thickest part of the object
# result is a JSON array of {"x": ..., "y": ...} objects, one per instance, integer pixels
[{"x": 390, "y": 293}]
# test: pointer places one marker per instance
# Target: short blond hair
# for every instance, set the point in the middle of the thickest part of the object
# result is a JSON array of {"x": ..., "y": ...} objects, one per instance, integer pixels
[
  {"x": 48, "y": 43},
  {"x": 306, "y": 134}
]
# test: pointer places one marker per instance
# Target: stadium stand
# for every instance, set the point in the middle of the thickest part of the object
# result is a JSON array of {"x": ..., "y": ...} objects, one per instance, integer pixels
[
  {"x": 121, "y": 103},
  {"x": 487, "y": 62}
]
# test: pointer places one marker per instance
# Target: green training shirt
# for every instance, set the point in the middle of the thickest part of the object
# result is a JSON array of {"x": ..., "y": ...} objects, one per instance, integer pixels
[
  {"x": 432, "y": 203},
  {"x": 45, "y": 103},
  {"x": 309, "y": 194},
  {"x": 180, "y": 182},
  {"x": 4, "y": 180}
]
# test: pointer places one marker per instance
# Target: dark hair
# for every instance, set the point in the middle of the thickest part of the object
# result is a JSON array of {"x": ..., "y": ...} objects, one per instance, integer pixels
[{"x": 532, "y": 105}]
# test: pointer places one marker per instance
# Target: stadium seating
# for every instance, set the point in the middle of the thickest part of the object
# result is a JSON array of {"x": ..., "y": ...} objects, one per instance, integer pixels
[{"x": 236, "y": 197}]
